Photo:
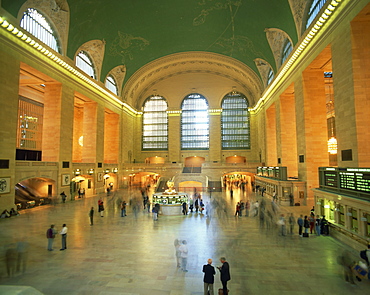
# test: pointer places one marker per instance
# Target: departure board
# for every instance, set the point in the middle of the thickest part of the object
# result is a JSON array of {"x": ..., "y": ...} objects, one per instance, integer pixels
[
  {"x": 330, "y": 178},
  {"x": 277, "y": 172},
  {"x": 354, "y": 179}
]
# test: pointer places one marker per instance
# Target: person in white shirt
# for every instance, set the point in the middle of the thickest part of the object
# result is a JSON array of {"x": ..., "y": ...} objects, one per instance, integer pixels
[
  {"x": 63, "y": 232},
  {"x": 184, "y": 255}
]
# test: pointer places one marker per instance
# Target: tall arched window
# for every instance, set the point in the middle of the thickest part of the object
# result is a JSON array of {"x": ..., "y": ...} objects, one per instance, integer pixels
[
  {"x": 36, "y": 24},
  {"x": 314, "y": 11},
  {"x": 84, "y": 62},
  {"x": 235, "y": 122},
  {"x": 111, "y": 84},
  {"x": 194, "y": 123},
  {"x": 287, "y": 49},
  {"x": 155, "y": 124}
]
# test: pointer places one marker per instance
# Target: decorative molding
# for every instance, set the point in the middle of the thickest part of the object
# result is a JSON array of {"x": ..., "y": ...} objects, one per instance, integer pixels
[
  {"x": 276, "y": 39},
  {"x": 95, "y": 49},
  {"x": 55, "y": 11},
  {"x": 264, "y": 68},
  {"x": 298, "y": 8}
]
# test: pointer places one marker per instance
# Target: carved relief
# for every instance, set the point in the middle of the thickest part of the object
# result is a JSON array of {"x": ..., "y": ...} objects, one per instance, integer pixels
[
  {"x": 95, "y": 49},
  {"x": 125, "y": 45},
  {"x": 57, "y": 12},
  {"x": 298, "y": 8},
  {"x": 264, "y": 68},
  {"x": 276, "y": 39}
]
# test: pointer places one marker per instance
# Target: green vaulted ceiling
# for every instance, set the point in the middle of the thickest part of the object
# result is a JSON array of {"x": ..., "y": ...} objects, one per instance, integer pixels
[{"x": 139, "y": 31}]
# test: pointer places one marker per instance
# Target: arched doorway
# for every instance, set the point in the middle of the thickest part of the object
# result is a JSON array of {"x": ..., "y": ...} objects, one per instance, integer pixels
[
  {"x": 154, "y": 160},
  {"x": 235, "y": 159},
  {"x": 194, "y": 161}
]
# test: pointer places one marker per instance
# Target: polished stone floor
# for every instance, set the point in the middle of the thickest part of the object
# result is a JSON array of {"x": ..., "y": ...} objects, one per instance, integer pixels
[{"x": 135, "y": 255}]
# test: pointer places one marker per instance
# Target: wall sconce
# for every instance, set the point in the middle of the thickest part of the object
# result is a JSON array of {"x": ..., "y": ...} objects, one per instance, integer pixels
[
  {"x": 107, "y": 170},
  {"x": 77, "y": 171},
  {"x": 90, "y": 171},
  {"x": 115, "y": 170}
]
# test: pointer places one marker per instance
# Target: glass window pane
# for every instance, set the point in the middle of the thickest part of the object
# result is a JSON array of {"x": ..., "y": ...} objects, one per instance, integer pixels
[
  {"x": 36, "y": 24},
  {"x": 111, "y": 84},
  {"x": 155, "y": 124},
  {"x": 235, "y": 122},
  {"x": 84, "y": 62},
  {"x": 194, "y": 122}
]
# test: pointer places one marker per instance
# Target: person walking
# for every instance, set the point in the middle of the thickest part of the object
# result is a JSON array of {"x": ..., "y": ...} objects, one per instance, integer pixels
[
  {"x": 91, "y": 215},
  {"x": 318, "y": 225},
  {"x": 311, "y": 219},
  {"x": 63, "y": 232},
  {"x": 177, "y": 245},
  {"x": 155, "y": 212},
  {"x": 291, "y": 221},
  {"x": 184, "y": 208},
  {"x": 184, "y": 255},
  {"x": 224, "y": 274},
  {"x": 50, "y": 235},
  {"x": 208, "y": 279},
  {"x": 63, "y": 195},
  {"x": 306, "y": 224},
  {"x": 101, "y": 207},
  {"x": 300, "y": 225},
  {"x": 123, "y": 209}
]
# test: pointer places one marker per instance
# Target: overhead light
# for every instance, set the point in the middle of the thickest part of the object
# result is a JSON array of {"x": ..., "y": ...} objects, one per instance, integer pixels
[{"x": 332, "y": 146}]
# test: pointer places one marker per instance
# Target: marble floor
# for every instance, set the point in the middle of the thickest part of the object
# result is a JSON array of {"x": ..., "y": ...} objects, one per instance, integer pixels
[{"x": 135, "y": 255}]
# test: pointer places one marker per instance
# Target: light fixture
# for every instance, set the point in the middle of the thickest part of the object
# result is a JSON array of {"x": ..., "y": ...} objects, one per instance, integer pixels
[
  {"x": 77, "y": 172},
  {"x": 332, "y": 146}
]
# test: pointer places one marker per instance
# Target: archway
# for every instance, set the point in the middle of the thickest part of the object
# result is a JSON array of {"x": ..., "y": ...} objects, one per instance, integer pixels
[
  {"x": 235, "y": 159},
  {"x": 154, "y": 160},
  {"x": 194, "y": 161}
]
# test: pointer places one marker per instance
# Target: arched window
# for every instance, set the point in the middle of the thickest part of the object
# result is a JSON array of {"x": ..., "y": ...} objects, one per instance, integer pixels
[
  {"x": 235, "y": 122},
  {"x": 84, "y": 62},
  {"x": 111, "y": 84},
  {"x": 155, "y": 124},
  {"x": 36, "y": 24},
  {"x": 194, "y": 123},
  {"x": 270, "y": 76},
  {"x": 287, "y": 49},
  {"x": 314, "y": 11}
]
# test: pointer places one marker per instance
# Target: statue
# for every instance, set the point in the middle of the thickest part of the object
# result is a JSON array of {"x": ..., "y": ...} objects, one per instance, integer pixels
[{"x": 170, "y": 190}]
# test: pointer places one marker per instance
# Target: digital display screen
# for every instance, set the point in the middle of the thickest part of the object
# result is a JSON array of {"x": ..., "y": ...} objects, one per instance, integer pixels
[
  {"x": 330, "y": 178},
  {"x": 355, "y": 179}
]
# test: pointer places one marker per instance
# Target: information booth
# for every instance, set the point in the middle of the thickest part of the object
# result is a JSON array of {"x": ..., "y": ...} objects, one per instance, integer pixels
[{"x": 170, "y": 204}]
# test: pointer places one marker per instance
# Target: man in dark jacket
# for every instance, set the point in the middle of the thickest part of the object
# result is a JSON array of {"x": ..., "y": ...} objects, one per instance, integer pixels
[
  {"x": 225, "y": 274},
  {"x": 209, "y": 272}
]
